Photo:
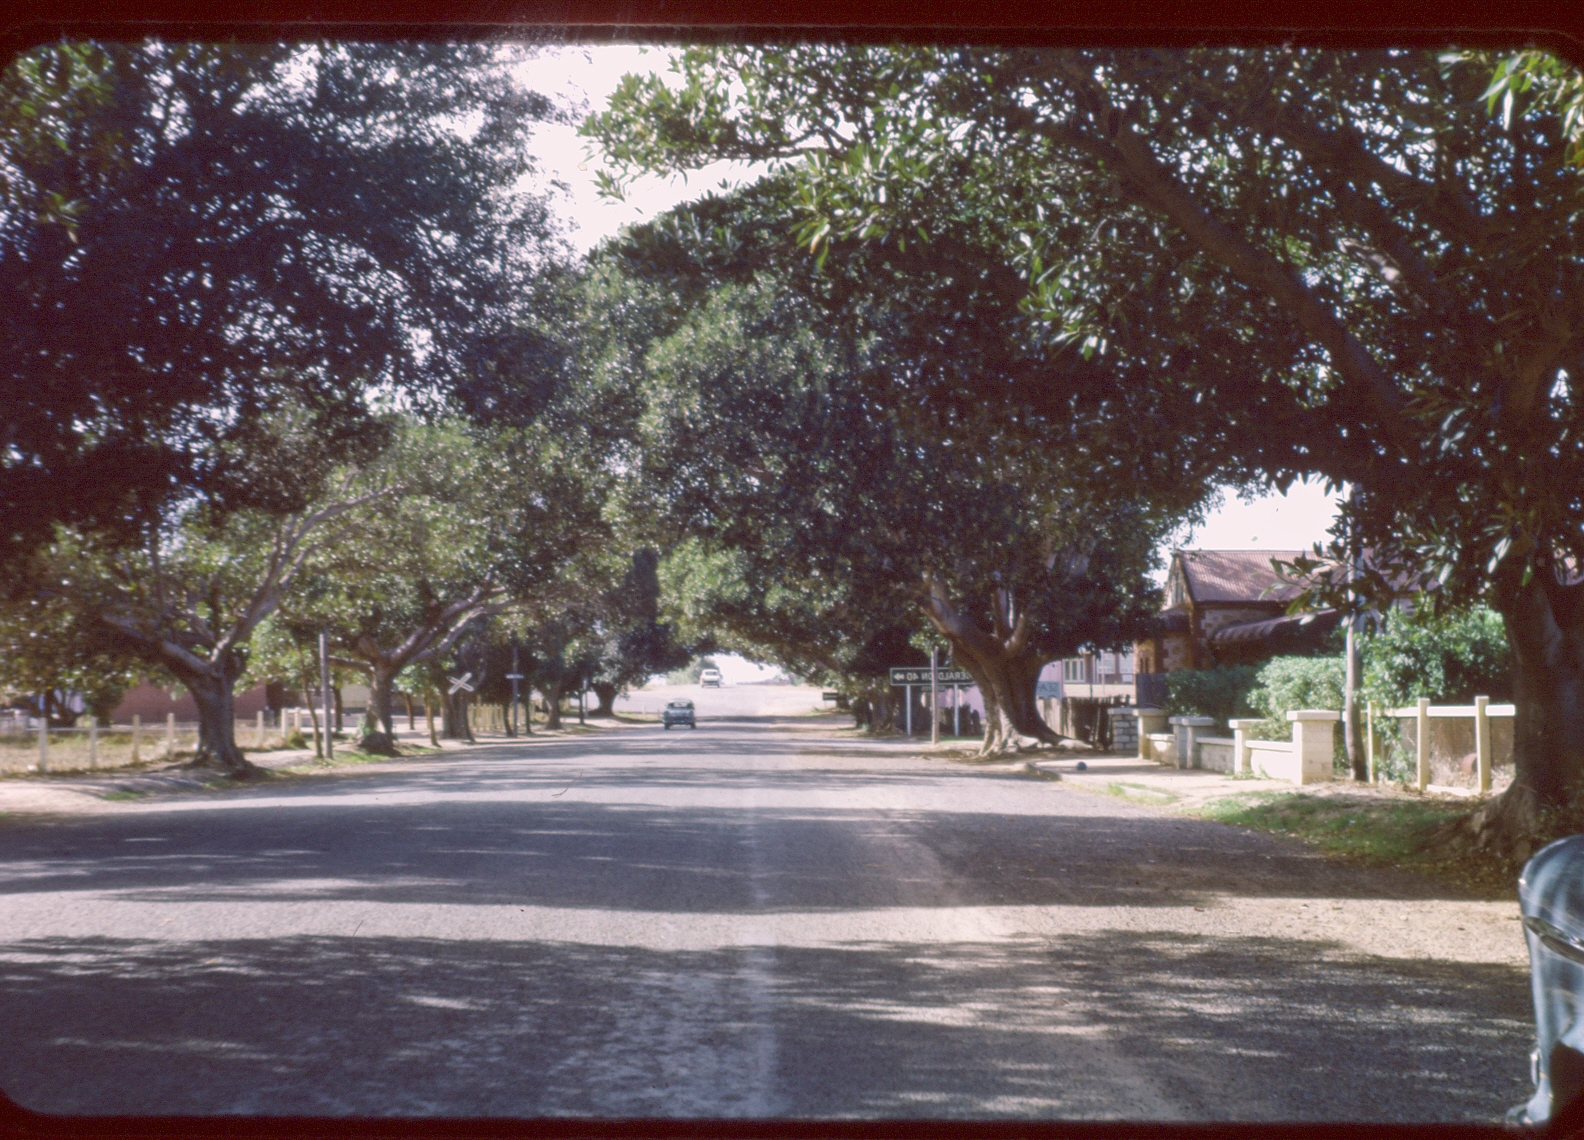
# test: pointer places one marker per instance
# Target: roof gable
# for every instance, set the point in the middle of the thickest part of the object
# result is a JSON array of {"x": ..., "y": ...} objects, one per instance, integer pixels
[{"x": 1234, "y": 575}]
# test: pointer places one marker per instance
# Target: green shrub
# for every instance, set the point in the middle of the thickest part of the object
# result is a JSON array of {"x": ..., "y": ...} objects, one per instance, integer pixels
[
  {"x": 1450, "y": 659},
  {"x": 1222, "y": 692},
  {"x": 1286, "y": 684}
]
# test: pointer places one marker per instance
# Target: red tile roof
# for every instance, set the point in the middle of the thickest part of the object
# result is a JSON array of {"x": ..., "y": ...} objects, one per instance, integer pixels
[{"x": 1236, "y": 575}]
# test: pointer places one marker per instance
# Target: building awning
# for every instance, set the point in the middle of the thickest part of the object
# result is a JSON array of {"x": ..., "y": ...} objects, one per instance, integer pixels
[{"x": 1315, "y": 624}]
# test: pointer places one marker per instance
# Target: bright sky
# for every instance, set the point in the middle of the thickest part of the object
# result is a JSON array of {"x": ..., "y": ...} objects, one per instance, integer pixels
[{"x": 589, "y": 73}]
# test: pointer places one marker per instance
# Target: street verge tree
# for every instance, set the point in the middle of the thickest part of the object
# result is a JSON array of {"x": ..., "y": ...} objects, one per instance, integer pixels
[
  {"x": 764, "y": 444},
  {"x": 488, "y": 520},
  {"x": 1345, "y": 264}
]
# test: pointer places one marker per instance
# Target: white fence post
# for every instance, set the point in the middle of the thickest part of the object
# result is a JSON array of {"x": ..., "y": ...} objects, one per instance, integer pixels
[
  {"x": 137, "y": 735},
  {"x": 261, "y": 729},
  {"x": 1423, "y": 741},
  {"x": 1369, "y": 740},
  {"x": 93, "y": 743},
  {"x": 1482, "y": 742},
  {"x": 1241, "y": 759},
  {"x": 170, "y": 735},
  {"x": 43, "y": 764}
]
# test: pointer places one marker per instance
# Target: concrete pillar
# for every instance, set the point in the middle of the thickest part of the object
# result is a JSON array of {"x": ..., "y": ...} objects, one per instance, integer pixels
[
  {"x": 1189, "y": 729},
  {"x": 1313, "y": 746},
  {"x": 1242, "y": 764},
  {"x": 1149, "y": 720}
]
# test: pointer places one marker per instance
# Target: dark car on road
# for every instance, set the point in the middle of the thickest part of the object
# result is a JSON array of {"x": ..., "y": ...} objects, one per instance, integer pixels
[{"x": 678, "y": 712}]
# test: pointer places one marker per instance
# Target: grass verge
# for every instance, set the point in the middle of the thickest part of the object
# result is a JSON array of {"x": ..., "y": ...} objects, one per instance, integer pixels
[
  {"x": 1375, "y": 831},
  {"x": 1143, "y": 793}
]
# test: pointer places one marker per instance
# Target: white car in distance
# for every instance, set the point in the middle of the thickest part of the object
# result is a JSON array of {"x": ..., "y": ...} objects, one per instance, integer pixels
[{"x": 710, "y": 679}]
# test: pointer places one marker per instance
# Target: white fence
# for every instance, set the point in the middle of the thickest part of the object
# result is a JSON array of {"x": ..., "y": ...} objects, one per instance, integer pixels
[
  {"x": 1435, "y": 734},
  {"x": 26, "y": 745},
  {"x": 1484, "y": 726}
]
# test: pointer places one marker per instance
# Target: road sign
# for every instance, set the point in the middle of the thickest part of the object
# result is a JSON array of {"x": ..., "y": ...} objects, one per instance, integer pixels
[
  {"x": 920, "y": 675},
  {"x": 461, "y": 683},
  {"x": 514, "y": 676},
  {"x": 1047, "y": 690}
]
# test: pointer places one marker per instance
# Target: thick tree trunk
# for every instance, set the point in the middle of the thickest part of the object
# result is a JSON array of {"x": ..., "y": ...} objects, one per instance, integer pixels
[
  {"x": 1007, "y": 683},
  {"x": 217, "y": 747},
  {"x": 456, "y": 717},
  {"x": 382, "y": 700},
  {"x": 1004, "y": 664},
  {"x": 1545, "y": 627},
  {"x": 607, "y": 696},
  {"x": 379, "y": 721}
]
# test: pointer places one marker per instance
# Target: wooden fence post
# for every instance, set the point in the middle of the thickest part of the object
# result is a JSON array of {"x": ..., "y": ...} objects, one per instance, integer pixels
[
  {"x": 1369, "y": 740},
  {"x": 43, "y": 764},
  {"x": 1423, "y": 741},
  {"x": 93, "y": 743},
  {"x": 170, "y": 735},
  {"x": 137, "y": 733},
  {"x": 1482, "y": 742},
  {"x": 261, "y": 730}
]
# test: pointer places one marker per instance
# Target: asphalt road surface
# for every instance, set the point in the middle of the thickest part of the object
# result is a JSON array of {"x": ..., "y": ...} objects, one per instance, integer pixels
[{"x": 759, "y": 918}]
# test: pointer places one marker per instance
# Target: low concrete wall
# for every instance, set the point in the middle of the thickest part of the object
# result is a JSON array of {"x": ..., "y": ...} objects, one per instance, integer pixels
[
  {"x": 1272, "y": 759},
  {"x": 1216, "y": 754},
  {"x": 1163, "y": 748}
]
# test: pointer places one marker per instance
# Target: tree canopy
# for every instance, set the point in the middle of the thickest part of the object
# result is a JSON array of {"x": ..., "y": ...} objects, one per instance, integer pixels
[
  {"x": 193, "y": 236},
  {"x": 1341, "y": 263}
]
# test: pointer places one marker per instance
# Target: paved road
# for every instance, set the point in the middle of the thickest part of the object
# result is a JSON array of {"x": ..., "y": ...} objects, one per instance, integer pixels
[{"x": 754, "y": 919}]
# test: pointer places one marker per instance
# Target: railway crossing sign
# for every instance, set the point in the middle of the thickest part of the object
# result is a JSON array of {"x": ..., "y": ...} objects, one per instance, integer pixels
[{"x": 458, "y": 683}]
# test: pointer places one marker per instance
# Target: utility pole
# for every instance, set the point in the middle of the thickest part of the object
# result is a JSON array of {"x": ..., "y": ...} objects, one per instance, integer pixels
[{"x": 324, "y": 681}]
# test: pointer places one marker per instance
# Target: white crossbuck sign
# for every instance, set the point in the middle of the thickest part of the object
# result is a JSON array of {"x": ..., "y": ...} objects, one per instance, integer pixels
[{"x": 458, "y": 683}]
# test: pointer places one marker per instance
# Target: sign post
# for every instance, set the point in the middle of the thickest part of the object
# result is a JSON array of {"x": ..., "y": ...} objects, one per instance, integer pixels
[
  {"x": 324, "y": 685},
  {"x": 458, "y": 685},
  {"x": 934, "y": 699},
  {"x": 906, "y": 676},
  {"x": 514, "y": 677}
]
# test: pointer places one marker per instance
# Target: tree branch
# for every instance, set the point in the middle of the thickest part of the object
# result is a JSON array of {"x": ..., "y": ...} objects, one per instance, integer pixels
[{"x": 1159, "y": 188}]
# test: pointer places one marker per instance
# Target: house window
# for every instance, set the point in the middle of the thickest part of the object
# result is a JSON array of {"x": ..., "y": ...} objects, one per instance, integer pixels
[{"x": 1073, "y": 669}]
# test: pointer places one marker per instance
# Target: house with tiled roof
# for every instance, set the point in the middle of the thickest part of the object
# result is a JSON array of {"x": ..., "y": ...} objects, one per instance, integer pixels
[{"x": 1229, "y": 607}]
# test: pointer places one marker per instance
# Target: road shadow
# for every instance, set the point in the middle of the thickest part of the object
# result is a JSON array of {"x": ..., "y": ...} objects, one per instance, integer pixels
[
  {"x": 1098, "y": 1026},
  {"x": 521, "y": 842}
]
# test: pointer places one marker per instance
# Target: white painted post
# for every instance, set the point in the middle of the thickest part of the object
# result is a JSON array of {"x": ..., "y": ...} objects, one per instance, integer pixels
[
  {"x": 1369, "y": 739},
  {"x": 1423, "y": 742},
  {"x": 908, "y": 705},
  {"x": 93, "y": 743},
  {"x": 170, "y": 735},
  {"x": 1242, "y": 755},
  {"x": 261, "y": 729},
  {"x": 1313, "y": 744},
  {"x": 934, "y": 700},
  {"x": 1482, "y": 742},
  {"x": 137, "y": 735},
  {"x": 43, "y": 764}
]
